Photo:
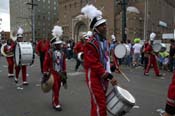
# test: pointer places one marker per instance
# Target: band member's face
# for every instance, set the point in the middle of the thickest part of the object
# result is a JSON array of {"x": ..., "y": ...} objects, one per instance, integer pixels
[
  {"x": 20, "y": 39},
  {"x": 102, "y": 29},
  {"x": 57, "y": 46}
]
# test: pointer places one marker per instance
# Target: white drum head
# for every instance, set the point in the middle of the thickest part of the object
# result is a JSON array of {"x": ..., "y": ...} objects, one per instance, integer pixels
[
  {"x": 126, "y": 95},
  {"x": 157, "y": 47},
  {"x": 17, "y": 54},
  {"x": 24, "y": 53},
  {"x": 120, "y": 51},
  {"x": 128, "y": 50}
]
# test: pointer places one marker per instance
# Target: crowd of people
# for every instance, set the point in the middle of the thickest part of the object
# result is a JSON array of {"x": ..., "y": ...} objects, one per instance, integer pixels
[{"x": 97, "y": 58}]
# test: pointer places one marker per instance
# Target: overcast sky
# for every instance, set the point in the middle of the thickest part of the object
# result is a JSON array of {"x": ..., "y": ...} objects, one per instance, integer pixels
[{"x": 4, "y": 15}]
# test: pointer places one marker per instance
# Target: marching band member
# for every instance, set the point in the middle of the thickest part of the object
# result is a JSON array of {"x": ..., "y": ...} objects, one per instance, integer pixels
[
  {"x": 41, "y": 48},
  {"x": 170, "y": 104},
  {"x": 9, "y": 50},
  {"x": 23, "y": 67},
  {"x": 97, "y": 62},
  {"x": 115, "y": 59},
  {"x": 55, "y": 64},
  {"x": 152, "y": 57},
  {"x": 79, "y": 47}
]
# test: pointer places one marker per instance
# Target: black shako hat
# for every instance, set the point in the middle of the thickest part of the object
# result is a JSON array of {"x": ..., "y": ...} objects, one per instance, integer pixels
[{"x": 96, "y": 21}]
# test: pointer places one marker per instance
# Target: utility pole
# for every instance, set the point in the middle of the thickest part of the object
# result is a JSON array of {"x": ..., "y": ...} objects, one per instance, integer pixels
[
  {"x": 33, "y": 20},
  {"x": 145, "y": 19},
  {"x": 115, "y": 14},
  {"x": 124, "y": 29}
]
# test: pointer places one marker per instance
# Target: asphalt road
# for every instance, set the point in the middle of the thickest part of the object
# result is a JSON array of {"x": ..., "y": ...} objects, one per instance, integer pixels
[{"x": 17, "y": 100}]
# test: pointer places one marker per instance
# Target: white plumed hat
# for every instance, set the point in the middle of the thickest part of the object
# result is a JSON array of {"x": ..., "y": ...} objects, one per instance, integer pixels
[
  {"x": 94, "y": 15},
  {"x": 20, "y": 32},
  {"x": 57, "y": 32},
  {"x": 152, "y": 36}
]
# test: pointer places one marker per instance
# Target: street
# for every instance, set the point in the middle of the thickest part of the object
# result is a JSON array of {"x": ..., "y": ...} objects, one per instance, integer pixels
[{"x": 17, "y": 100}]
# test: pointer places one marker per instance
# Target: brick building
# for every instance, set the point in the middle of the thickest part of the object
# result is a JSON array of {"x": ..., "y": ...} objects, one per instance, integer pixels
[
  {"x": 152, "y": 17},
  {"x": 4, "y": 35}
]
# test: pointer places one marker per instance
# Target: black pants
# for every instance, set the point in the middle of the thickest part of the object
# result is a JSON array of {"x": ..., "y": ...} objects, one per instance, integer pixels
[
  {"x": 170, "y": 109},
  {"x": 42, "y": 55},
  {"x": 171, "y": 63},
  {"x": 78, "y": 62}
]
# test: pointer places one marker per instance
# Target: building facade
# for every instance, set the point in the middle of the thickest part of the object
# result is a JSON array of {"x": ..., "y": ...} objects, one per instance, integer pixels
[
  {"x": 45, "y": 17},
  {"x": 152, "y": 17},
  {"x": 4, "y": 35}
]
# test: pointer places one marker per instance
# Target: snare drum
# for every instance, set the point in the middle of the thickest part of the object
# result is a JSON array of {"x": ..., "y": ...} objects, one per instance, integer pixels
[
  {"x": 159, "y": 47},
  {"x": 122, "y": 50},
  {"x": 24, "y": 53},
  {"x": 119, "y": 101}
]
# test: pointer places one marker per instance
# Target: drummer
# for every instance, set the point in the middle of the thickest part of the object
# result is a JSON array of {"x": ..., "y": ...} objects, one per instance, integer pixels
[
  {"x": 151, "y": 58},
  {"x": 23, "y": 67},
  {"x": 97, "y": 62},
  {"x": 114, "y": 58}
]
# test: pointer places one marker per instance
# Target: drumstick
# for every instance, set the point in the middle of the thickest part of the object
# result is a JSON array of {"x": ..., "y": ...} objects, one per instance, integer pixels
[{"x": 124, "y": 75}]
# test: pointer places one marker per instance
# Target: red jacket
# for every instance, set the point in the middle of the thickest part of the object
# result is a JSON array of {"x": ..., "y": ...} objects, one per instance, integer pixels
[
  {"x": 92, "y": 58},
  {"x": 9, "y": 49},
  {"x": 79, "y": 47},
  {"x": 42, "y": 46},
  {"x": 48, "y": 65},
  {"x": 171, "y": 92},
  {"x": 148, "y": 48}
]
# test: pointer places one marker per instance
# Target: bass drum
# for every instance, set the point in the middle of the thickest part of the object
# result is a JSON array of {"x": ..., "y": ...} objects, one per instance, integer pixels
[
  {"x": 24, "y": 53},
  {"x": 159, "y": 47},
  {"x": 122, "y": 50},
  {"x": 119, "y": 101}
]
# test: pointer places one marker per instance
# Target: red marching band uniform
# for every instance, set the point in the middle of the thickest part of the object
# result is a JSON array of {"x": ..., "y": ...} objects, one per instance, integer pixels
[
  {"x": 96, "y": 72},
  {"x": 97, "y": 62},
  {"x": 115, "y": 61},
  {"x": 41, "y": 48},
  {"x": 79, "y": 47},
  {"x": 171, "y": 92},
  {"x": 151, "y": 60},
  {"x": 55, "y": 64},
  {"x": 9, "y": 48},
  {"x": 48, "y": 66},
  {"x": 19, "y": 67},
  {"x": 170, "y": 105}
]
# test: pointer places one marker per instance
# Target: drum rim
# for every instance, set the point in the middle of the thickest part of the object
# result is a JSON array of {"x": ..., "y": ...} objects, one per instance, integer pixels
[
  {"x": 19, "y": 63},
  {"x": 123, "y": 98}
]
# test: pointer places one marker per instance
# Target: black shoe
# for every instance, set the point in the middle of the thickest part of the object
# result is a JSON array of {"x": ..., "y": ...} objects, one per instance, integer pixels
[
  {"x": 10, "y": 76},
  {"x": 65, "y": 85},
  {"x": 57, "y": 108},
  {"x": 159, "y": 75}
]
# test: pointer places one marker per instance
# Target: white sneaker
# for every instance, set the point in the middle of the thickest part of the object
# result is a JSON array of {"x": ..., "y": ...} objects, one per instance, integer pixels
[
  {"x": 25, "y": 83},
  {"x": 57, "y": 108},
  {"x": 16, "y": 80}
]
